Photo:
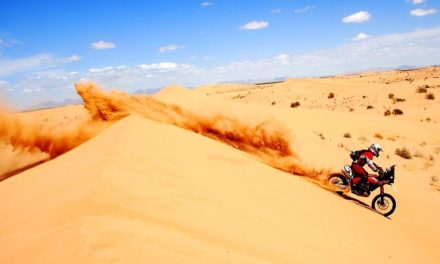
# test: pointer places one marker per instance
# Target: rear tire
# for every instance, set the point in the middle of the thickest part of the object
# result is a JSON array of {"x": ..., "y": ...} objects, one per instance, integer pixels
[
  {"x": 338, "y": 182},
  {"x": 385, "y": 208}
]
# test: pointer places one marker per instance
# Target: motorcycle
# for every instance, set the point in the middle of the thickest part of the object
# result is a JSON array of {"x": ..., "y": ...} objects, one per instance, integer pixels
[{"x": 384, "y": 203}]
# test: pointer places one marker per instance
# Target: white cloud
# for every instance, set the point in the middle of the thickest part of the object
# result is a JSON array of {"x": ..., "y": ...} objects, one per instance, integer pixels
[
  {"x": 361, "y": 36},
  {"x": 32, "y": 63},
  {"x": 5, "y": 87},
  {"x": 423, "y": 12},
  {"x": 170, "y": 48},
  {"x": 419, "y": 47},
  {"x": 359, "y": 17},
  {"x": 206, "y": 4},
  {"x": 73, "y": 58},
  {"x": 253, "y": 25},
  {"x": 304, "y": 9},
  {"x": 1, "y": 41},
  {"x": 103, "y": 45},
  {"x": 416, "y": 2},
  {"x": 276, "y": 11}
]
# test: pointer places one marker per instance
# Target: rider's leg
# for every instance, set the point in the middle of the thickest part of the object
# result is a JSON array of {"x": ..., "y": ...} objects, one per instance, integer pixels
[
  {"x": 373, "y": 180},
  {"x": 359, "y": 171}
]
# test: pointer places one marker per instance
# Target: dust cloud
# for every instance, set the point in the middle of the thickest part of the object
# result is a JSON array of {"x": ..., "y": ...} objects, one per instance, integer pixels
[{"x": 266, "y": 140}]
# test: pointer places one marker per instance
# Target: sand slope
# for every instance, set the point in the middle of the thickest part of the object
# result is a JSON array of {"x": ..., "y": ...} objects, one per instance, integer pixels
[{"x": 150, "y": 192}]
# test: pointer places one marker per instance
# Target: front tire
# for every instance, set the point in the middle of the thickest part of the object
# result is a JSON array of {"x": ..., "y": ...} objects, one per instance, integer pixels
[{"x": 385, "y": 206}]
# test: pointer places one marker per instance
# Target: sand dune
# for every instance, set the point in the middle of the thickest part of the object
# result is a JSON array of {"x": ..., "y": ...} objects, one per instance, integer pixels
[
  {"x": 134, "y": 192},
  {"x": 158, "y": 184}
]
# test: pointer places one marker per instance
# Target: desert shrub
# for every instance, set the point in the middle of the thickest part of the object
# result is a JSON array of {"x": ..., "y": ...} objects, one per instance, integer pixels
[
  {"x": 347, "y": 135},
  {"x": 403, "y": 152},
  {"x": 274, "y": 103},
  {"x": 331, "y": 95},
  {"x": 387, "y": 112},
  {"x": 378, "y": 135},
  {"x": 363, "y": 139},
  {"x": 395, "y": 99},
  {"x": 434, "y": 180},
  {"x": 418, "y": 154},
  {"x": 321, "y": 136},
  {"x": 392, "y": 138},
  {"x": 295, "y": 104},
  {"x": 351, "y": 109},
  {"x": 430, "y": 96},
  {"x": 397, "y": 112},
  {"x": 421, "y": 90},
  {"x": 391, "y": 96},
  {"x": 370, "y": 107}
]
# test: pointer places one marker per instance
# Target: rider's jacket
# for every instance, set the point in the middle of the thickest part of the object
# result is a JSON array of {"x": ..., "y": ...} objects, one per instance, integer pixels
[{"x": 366, "y": 157}]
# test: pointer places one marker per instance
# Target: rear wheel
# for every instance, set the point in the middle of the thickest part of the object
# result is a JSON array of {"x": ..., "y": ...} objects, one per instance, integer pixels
[
  {"x": 338, "y": 182},
  {"x": 384, "y": 204}
]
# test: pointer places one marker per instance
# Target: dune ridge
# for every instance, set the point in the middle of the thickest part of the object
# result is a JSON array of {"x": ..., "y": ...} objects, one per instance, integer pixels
[{"x": 266, "y": 140}]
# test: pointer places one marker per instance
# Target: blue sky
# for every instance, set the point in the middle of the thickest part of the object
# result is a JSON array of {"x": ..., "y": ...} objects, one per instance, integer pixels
[{"x": 46, "y": 46}]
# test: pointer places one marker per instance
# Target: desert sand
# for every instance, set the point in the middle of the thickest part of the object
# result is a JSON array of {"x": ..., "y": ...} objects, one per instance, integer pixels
[{"x": 224, "y": 173}]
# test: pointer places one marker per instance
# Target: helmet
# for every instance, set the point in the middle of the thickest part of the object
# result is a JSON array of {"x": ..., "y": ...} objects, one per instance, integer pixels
[{"x": 375, "y": 148}]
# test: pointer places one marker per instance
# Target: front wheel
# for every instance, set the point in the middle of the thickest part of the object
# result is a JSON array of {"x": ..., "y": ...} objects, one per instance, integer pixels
[{"x": 384, "y": 204}]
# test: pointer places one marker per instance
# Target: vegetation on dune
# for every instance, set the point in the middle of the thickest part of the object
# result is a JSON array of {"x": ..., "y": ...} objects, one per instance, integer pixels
[
  {"x": 430, "y": 96},
  {"x": 421, "y": 90},
  {"x": 295, "y": 104},
  {"x": 378, "y": 135},
  {"x": 397, "y": 112},
  {"x": 403, "y": 152}
]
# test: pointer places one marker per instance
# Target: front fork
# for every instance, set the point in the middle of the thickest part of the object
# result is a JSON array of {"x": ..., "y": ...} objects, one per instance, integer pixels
[{"x": 381, "y": 194}]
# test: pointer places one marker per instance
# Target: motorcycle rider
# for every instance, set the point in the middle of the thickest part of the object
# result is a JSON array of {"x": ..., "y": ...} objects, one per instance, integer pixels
[{"x": 366, "y": 157}]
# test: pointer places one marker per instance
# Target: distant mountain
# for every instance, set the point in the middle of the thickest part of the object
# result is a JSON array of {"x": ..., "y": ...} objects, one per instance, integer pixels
[
  {"x": 147, "y": 91},
  {"x": 380, "y": 69},
  {"x": 407, "y": 67},
  {"x": 52, "y": 104},
  {"x": 258, "y": 81}
]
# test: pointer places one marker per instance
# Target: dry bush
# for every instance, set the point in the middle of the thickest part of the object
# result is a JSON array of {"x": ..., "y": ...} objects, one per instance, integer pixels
[
  {"x": 434, "y": 180},
  {"x": 370, "y": 107},
  {"x": 392, "y": 138},
  {"x": 363, "y": 139},
  {"x": 419, "y": 154},
  {"x": 378, "y": 135},
  {"x": 397, "y": 112},
  {"x": 403, "y": 152},
  {"x": 347, "y": 135},
  {"x": 396, "y": 100},
  {"x": 387, "y": 112},
  {"x": 274, "y": 103},
  {"x": 321, "y": 136},
  {"x": 421, "y": 90},
  {"x": 295, "y": 104},
  {"x": 390, "y": 96},
  {"x": 351, "y": 109},
  {"x": 430, "y": 96},
  {"x": 331, "y": 95}
]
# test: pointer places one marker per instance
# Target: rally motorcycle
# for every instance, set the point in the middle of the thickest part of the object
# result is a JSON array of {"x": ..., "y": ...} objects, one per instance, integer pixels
[{"x": 384, "y": 203}]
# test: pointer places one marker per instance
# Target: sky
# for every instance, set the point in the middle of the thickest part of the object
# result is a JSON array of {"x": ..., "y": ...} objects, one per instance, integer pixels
[{"x": 47, "y": 46}]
